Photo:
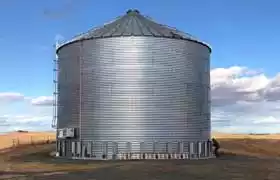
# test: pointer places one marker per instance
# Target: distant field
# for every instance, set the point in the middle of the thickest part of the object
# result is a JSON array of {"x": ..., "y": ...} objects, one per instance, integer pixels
[
  {"x": 241, "y": 136},
  {"x": 7, "y": 140}
]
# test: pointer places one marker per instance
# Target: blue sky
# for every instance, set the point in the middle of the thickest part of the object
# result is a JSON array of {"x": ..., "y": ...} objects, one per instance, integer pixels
[{"x": 243, "y": 34}]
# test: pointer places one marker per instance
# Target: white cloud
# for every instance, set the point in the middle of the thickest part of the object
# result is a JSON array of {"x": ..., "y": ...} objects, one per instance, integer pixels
[
  {"x": 11, "y": 97},
  {"x": 28, "y": 114},
  {"x": 18, "y": 119},
  {"x": 43, "y": 101},
  {"x": 25, "y": 122},
  {"x": 245, "y": 100},
  {"x": 267, "y": 120},
  {"x": 236, "y": 84}
]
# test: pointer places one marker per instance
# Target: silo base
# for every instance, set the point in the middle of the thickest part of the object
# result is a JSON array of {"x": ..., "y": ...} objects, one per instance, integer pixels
[
  {"x": 139, "y": 156},
  {"x": 93, "y": 150}
]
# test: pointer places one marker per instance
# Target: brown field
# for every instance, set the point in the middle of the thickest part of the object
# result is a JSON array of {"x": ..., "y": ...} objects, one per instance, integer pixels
[
  {"x": 15, "y": 138},
  {"x": 248, "y": 157},
  {"x": 242, "y": 136},
  {"x": 8, "y": 140}
]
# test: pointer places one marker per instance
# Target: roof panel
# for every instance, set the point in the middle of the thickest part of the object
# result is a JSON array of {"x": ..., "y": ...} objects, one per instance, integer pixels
[
  {"x": 134, "y": 24},
  {"x": 135, "y": 28}
]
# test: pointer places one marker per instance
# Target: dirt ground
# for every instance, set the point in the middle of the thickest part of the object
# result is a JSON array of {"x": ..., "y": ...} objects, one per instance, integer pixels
[
  {"x": 222, "y": 169},
  {"x": 247, "y": 159}
]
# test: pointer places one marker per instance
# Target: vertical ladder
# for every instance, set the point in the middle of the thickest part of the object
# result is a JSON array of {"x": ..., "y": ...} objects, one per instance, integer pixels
[{"x": 55, "y": 75}]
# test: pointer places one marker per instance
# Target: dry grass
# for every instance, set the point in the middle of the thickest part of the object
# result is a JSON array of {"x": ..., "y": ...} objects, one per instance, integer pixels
[
  {"x": 10, "y": 139},
  {"x": 250, "y": 145},
  {"x": 245, "y": 157},
  {"x": 246, "y": 136}
]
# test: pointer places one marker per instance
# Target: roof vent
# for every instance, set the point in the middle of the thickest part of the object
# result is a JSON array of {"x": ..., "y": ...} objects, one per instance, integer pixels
[{"x": 132, "y": 11}]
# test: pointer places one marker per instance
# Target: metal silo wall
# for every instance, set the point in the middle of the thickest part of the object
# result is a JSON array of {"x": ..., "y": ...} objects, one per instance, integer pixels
[
  {"x": 68, "y": 86},
  {"x": 142, "y": 89}
]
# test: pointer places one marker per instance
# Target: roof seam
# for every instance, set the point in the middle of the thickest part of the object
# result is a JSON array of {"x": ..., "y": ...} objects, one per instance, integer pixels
[
  {"x": 151, "y": 27},
  {"x": 153, "y": 23},
  {"x": 145, "y": 23},
  {"x": 125, "y": 25},
  {"x": 138, "y": 24}
]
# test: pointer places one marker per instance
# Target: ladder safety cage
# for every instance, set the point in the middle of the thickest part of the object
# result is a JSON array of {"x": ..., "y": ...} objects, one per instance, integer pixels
[{"x": 55, "y": 93}]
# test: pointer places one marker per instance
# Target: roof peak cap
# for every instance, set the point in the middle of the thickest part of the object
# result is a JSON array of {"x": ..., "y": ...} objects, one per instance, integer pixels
[{"x": 132, "y": 12}]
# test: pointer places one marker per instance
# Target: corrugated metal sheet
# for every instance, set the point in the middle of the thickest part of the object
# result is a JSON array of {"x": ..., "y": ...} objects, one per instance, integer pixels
[
  {"x": 137, "y": 89},
  {"x": 140, "y": 88}
]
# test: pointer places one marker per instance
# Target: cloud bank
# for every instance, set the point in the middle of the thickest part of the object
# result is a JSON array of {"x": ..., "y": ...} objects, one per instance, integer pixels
[
  {"x": 42, "y": 101},
  {"x": 244, "y": 100}
]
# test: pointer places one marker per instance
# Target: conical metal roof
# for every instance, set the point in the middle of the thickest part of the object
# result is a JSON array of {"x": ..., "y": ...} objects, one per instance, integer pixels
[{"x": 134, "y": 24}]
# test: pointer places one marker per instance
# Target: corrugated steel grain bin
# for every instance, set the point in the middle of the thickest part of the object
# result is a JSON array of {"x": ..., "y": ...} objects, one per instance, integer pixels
[{"x": 134, "y": 88}]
